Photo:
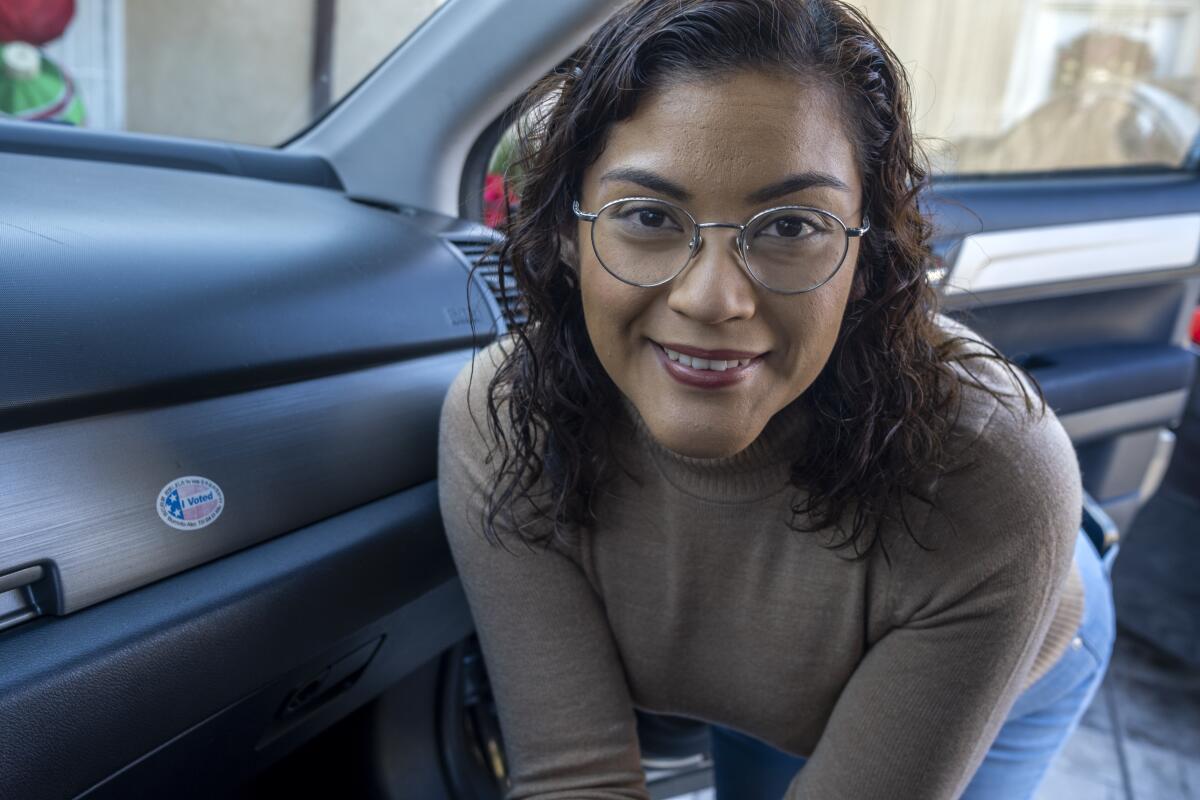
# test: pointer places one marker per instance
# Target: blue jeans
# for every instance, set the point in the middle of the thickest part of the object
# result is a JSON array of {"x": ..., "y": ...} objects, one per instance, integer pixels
[{"x": 1037, "y": 727}]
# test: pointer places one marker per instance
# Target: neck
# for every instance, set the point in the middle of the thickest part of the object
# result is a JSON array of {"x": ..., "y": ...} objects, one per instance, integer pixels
[{"x": 761, "y": 469}]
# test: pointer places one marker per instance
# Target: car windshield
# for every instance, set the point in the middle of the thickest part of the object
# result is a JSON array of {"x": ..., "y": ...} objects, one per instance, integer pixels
[{"x": 251, "y": 73}]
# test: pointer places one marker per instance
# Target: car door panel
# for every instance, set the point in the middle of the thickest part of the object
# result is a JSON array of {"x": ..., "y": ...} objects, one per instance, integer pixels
[{"x": 1087, "y": 281}]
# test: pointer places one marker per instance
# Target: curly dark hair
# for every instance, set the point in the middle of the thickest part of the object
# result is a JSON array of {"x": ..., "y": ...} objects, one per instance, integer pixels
[{"x": 886, "y": 401}]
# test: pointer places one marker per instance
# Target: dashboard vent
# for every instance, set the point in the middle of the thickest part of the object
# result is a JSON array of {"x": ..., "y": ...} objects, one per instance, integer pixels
[{"x": 489, "y": 268}]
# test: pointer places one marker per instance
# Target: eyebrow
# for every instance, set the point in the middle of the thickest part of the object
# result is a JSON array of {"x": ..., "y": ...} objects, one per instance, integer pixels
[
  {"x": 796, "y": 183},
  {"x": 650, "y": 180},
  {"x": 792, "y": 183}
]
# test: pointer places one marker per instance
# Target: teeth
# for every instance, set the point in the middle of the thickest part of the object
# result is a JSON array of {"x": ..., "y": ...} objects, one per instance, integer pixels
[{"x": 717, "y": 365}]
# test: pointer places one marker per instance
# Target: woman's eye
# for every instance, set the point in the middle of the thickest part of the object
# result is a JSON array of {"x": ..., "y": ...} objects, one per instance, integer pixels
[
  {"x": 648, "y": 218},
  {"x": 790, "y": 227},
  {"x": 651, "y": 219}
]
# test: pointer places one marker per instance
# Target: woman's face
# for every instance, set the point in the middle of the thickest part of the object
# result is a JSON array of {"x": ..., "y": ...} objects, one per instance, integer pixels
[{"x": 723, "y": 149}]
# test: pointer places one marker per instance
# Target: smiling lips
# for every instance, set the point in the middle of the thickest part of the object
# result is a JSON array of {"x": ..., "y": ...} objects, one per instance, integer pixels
[
  {"x": 717, "y": 364},
  {"x": 706, "y": 369}
]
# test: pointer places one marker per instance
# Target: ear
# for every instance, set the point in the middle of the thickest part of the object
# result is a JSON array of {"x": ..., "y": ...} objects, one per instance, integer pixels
[{"x": 568, "y": 249}]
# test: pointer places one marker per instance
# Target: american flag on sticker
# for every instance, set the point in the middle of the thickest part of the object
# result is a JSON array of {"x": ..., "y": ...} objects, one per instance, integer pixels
[{"x": 190, "y": 502}]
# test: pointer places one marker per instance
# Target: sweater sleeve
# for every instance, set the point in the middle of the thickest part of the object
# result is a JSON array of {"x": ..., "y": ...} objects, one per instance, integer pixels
[
  {"x": 923, "y": 707},
  {"x": 565, "y": 709}
]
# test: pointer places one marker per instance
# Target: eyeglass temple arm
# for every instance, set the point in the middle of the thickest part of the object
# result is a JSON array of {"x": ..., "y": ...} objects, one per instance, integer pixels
[
  {"x": 581, "y": 213},
  {"x": 856, "y": 232}
]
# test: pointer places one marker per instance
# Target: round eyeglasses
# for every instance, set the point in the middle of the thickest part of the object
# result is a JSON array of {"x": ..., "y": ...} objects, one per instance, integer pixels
[{"x": 646, "y": 242}]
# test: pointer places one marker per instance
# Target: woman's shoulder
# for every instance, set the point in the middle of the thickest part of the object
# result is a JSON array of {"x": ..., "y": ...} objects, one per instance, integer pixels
[
  {"x": 1008, "y": 491},
  {"x": 478, "y": 460},
  {"x": 1010, "y": 451},
  {"x": 465, "y": 410},
  {"x": 467, "y": 435},
  {"x": 1000, "y": 413}
]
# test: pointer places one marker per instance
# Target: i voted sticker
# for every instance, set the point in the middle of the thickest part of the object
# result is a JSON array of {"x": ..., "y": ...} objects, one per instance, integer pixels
[{"x": 190, "y": 502}]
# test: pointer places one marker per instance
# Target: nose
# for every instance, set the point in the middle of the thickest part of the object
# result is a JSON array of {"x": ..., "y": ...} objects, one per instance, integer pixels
[{"x": 714, "y": 287}]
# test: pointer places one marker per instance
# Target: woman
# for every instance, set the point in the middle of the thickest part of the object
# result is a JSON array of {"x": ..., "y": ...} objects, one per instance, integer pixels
[{"x": 735, "y": 468}]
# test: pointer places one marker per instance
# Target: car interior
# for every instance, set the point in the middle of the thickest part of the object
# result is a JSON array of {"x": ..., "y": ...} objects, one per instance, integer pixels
[{"x": 284, "y": 322}]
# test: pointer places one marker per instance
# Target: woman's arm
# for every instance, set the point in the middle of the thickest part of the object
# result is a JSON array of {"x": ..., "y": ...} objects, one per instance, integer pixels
[
  {"x": 565, "y": 710},
  {"x": 925, "y": 704}
]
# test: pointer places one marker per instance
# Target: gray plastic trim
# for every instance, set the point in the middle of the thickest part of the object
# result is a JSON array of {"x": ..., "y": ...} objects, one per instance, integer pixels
[
  {"x": 1122, "y": 510},
  {"x": 20, "y": 578},
  {"x": 1148, "y": 412},
  {"x": 1164, "y": 447},
  {"x": 82, "y": 493},
  {"x": 1001, "y": 260},
  {"x": 403, "y": 136}
]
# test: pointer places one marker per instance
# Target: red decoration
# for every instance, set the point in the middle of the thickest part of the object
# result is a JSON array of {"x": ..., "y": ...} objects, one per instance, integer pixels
[
  {"x": 34, "y": 21},
  {"x": 495, "y": 209}
]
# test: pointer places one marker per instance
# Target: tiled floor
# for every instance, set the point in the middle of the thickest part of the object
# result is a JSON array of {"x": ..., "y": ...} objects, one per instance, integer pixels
[{"x": 1139, "y": 740}]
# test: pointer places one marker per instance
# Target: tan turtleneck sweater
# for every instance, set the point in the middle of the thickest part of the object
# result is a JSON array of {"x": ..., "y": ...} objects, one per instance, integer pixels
[{"x": 691, "y": 596}]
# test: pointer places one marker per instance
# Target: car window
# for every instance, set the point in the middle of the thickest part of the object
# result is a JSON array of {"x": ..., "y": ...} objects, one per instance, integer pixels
[
  {"x": 1038, "y": 85},
  {"x": 1013, "y": 86},
  {"x": 247, "y": 72}
]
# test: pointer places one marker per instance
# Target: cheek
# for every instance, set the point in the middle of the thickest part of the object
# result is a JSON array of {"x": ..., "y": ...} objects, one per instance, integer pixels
[
  {"x": 834, "y": 297},
  {"x": 812, "y": 322},
  {"x": 597, "y": 308},
  {"x": 832, "y": 309},
  {"x": 610, "y": 310}
]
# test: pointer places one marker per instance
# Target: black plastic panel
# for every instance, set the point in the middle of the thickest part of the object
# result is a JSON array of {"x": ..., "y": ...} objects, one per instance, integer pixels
[
  {"x": 1085, "y": 378},
  {"x": 960, "y": 207},
  {"x": 84, "y": 696},
  {"x": 128, "y": 286},
  {"x": 1145, "y": 315}
]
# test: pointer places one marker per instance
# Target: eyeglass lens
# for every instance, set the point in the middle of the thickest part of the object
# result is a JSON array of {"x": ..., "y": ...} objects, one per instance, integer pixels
[{"x": 647, "y": 242}]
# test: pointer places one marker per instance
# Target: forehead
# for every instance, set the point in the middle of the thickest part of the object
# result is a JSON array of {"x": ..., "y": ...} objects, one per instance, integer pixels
[{"x": 733, "y": 134}]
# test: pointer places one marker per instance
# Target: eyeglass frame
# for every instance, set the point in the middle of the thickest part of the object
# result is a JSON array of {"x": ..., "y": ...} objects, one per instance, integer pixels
[{"x": 851, "y": 233}]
